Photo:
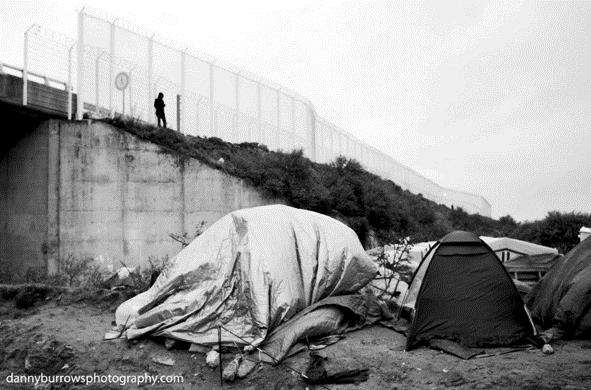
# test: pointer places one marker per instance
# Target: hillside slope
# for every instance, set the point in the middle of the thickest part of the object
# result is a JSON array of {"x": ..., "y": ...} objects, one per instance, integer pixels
[{"x": 342, "y": 189}]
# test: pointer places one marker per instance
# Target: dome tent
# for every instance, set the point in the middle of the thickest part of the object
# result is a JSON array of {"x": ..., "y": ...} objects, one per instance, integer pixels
[{"x": 462, "y": 292}]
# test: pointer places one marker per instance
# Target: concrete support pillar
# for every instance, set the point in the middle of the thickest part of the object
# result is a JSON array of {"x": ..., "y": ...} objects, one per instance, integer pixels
[{"x": 52, "y": 242}]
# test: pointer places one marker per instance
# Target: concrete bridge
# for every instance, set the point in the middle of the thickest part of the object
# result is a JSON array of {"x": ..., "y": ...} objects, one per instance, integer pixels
[{"x": 84, "y": 188}]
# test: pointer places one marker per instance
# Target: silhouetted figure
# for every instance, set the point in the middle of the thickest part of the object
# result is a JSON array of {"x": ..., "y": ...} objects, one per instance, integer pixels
[{"x": 159, "y": 106}]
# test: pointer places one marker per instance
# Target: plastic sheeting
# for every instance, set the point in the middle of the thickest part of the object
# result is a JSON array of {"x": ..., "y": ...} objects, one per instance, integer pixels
[
  {"x": 330, "y": 316},
  {"x": 563, "y": 298},
  {"x": 251, "y": 271},
  {"x": 510, "y": 248}
]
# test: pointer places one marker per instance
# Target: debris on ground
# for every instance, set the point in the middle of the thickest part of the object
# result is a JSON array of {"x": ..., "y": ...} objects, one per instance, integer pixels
[
  {"x": 40, "y": 355},
  {"x": 452, "y": 379},
  {"x": 171, "y": 343},
  {"x": 198, "y": 348},
  {"x": 454, "y": 348},
  {"x": 547, "y": 349},
  {"x": 325, "y": 342},
  {"x": 212, "y": 359},
  {"x": 246, "y": 367},
  {"x": 323, "y": 371},
  {"x": 165, "y": 360},
  {"x": 231, "y": 369},
  {"x": 112, "y": 334}
]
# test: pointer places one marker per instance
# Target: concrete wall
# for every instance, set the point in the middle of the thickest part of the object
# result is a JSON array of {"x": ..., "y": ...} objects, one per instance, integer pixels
[
  {"x": 108, "y": 194},
  {"x": 23, "y": 202}
]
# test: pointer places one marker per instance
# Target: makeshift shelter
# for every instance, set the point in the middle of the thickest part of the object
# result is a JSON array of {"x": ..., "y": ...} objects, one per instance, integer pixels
[
  {"x": 531, "y": 268},
  {"x": 563, "y": 298},
  {"x": 251, "y": 272},
  {"x": 462, "y": 292},
  {"x": 510, "y": 248},
  {"x": 584, "y": 233}
]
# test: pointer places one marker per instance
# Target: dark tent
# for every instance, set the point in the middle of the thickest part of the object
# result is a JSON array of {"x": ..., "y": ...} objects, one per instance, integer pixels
[
  {"x": 462, "y": 292},
  {"x": 563, "y": 298}
]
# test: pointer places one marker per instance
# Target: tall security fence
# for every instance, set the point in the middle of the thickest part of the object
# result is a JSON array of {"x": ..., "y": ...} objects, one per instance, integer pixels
[{"x": 118, "y": 69}]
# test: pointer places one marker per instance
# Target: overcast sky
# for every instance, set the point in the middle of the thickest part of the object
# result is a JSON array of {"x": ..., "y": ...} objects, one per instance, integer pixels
[{"x": 487, "y": 97}]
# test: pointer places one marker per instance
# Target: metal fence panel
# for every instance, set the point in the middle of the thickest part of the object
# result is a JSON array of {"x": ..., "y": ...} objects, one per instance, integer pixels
[{"x": 205, "y": 98}]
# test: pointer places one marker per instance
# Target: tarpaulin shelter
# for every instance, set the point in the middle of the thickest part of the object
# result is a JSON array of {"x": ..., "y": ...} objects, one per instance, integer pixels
[
  {"x": 531, "y": 268},
  {"x": 562, "y": 299},
  {"x": 251, "y": 272},
  {"x": 507, "y": 248},
  {"x": 462, "y": 292}
]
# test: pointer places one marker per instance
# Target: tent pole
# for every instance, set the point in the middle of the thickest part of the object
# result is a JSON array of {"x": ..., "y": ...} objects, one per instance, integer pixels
[{"x": 220, "y": 352}]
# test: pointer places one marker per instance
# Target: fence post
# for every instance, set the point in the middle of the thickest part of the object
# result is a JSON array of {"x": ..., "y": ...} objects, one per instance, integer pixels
[
  {"x": 293, "y": 124},
  {"x": 237, "y": 108},
  {"x": 178, "y": 113},
  {"x": 259, "y": 114},
  {"x": 26, "y": 67},
  {"x": 131, "y": 106},
  {"x": 111, "y": 54},
  {"x": 70, "y": 81},
  {"x": 150, "y": 71},
  {"x": 278, "y": 133},
  {"x": 211, "y": 102},
  {"x": 197, "y": 116},
  {"x": 80, "y": 66},
  {"x": 183, "y": 86},
  {"x": 96, "y": 82},
  {"x": 312, "y": 114}
]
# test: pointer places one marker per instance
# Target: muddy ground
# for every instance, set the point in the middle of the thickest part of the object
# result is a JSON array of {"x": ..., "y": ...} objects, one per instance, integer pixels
[{"x": 62, "y": 336}]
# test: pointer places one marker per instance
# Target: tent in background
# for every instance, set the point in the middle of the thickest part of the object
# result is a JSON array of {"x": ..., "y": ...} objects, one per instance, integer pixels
[
  {"x": 563, "y": 298},
  {"x": 510, "y": 248},
  {"x": 527, "y": 261},
  {"x": 462, "y": 292},
  {"x": 531, "y": 269}
]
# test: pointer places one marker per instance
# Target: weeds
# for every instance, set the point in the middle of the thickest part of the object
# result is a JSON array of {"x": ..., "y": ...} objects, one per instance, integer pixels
[{"x": 185, "y": 238}]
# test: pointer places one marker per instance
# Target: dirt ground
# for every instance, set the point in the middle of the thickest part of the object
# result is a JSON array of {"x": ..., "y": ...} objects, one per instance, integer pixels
[{"x": 67, "y": 338}]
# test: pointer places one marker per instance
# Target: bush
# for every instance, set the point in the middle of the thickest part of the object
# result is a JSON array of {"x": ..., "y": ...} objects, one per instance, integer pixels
[{"x": 557, "y": 230}]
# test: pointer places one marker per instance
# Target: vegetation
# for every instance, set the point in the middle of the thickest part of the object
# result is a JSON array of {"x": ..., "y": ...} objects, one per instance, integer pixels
[
  {"x": 377, "y": 209},
  {"x": 557, "y": 230},
  {"x": 395, "y": 267}
]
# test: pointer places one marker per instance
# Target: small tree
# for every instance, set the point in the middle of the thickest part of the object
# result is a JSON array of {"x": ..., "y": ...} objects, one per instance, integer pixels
[
  {"x": 185, "y": 238},
  {"x": 394, "y": 260},
  {"x": 75, "y": 269}
]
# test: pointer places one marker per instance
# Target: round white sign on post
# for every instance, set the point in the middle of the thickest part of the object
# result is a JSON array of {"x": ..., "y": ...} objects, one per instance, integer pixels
[{"x": 121, "y": 81}]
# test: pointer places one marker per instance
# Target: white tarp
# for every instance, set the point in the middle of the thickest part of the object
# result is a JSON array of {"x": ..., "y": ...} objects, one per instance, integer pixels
[
  {"x": 509, "y": 248},
  {"x": 251, "y": 271}
]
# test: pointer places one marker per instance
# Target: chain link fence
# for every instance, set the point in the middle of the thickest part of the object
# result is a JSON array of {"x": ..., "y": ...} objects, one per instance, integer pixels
[{"x": 204, "y": 97}]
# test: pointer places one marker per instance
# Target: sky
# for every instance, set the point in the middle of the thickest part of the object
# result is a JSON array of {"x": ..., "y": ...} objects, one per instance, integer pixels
[{"x": 492, "y": 98}]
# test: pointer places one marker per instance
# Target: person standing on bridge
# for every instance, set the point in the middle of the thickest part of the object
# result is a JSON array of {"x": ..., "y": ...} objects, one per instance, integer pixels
[{"x": 159, "y": 106}]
